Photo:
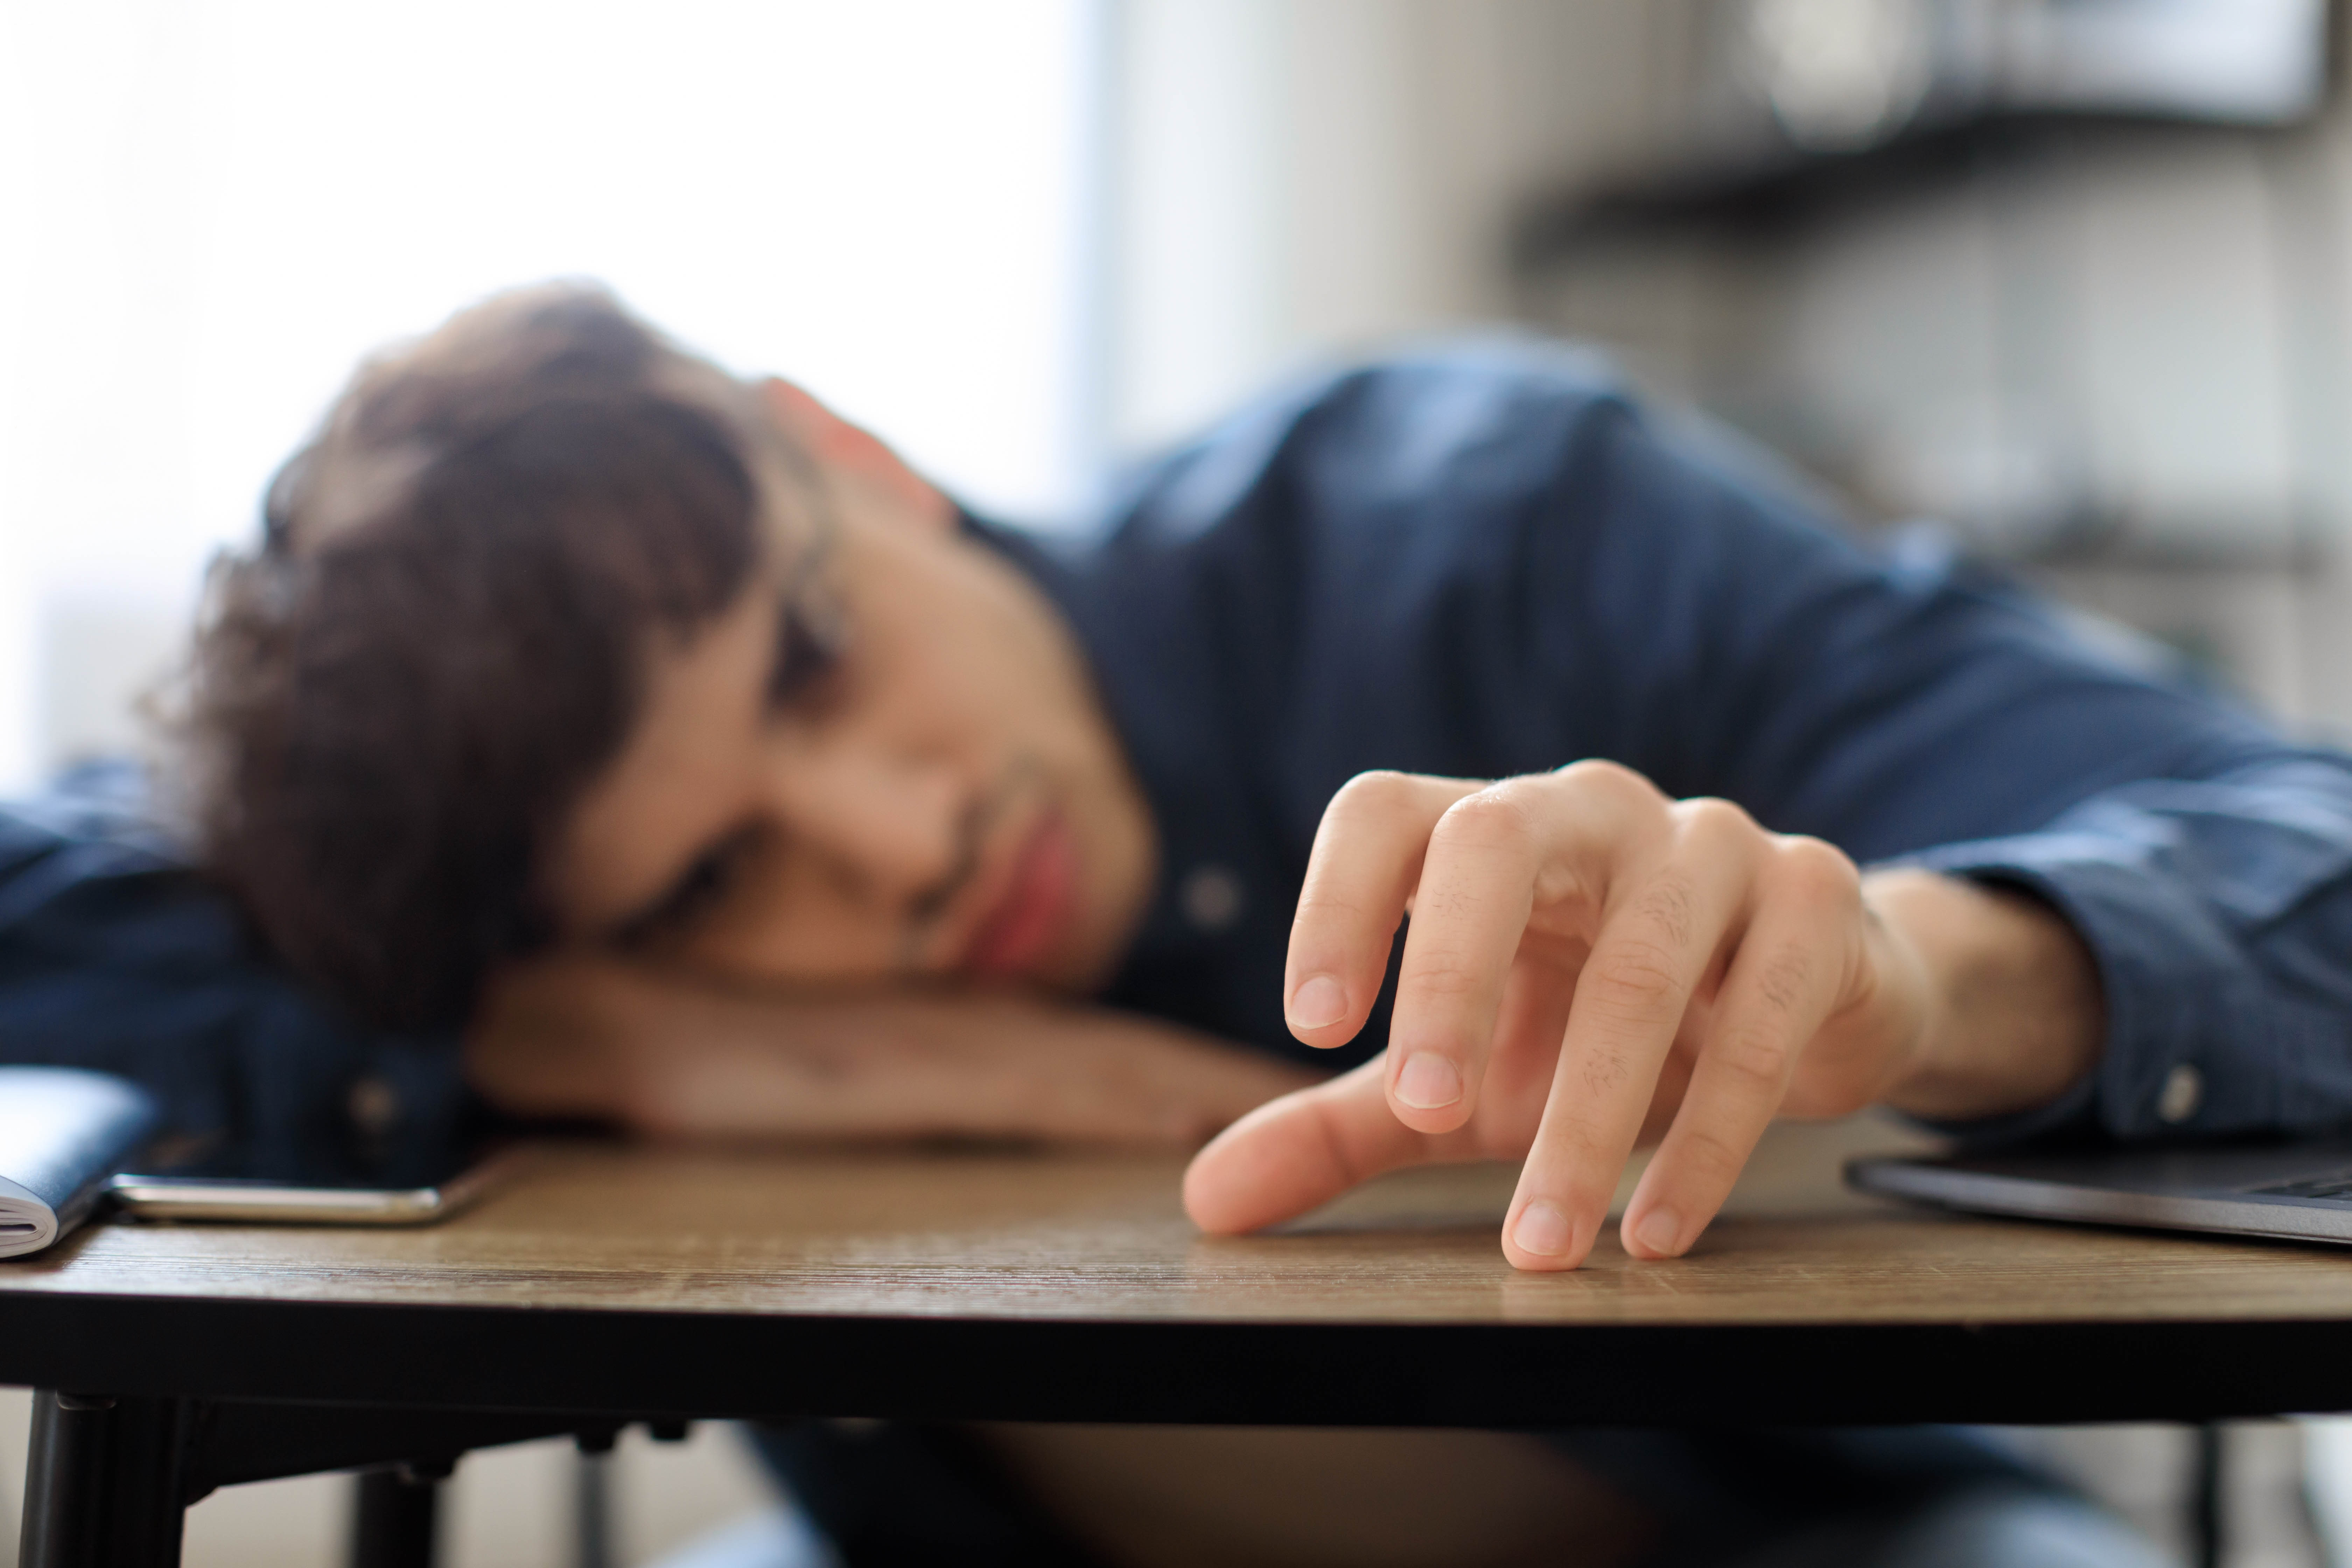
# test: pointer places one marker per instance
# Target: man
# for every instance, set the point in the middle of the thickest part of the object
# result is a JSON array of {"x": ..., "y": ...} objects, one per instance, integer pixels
[{"x": 714, "y": 772}]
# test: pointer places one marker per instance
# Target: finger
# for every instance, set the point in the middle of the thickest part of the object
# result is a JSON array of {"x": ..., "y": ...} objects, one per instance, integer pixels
[
  {"x": 1655, "y": 943},
  {"x": 1666, "y": 1097},
  {"x": 1302, "y": 1150},
  {"x": 1790, "y": 970},
  {"x": 1516, "y": 1078},
  {"x": 1367, "y": 857},
  {"x": 1478, "y": 885}
]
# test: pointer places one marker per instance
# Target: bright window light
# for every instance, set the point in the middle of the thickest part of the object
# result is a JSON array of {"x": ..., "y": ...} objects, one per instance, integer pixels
[{"x": 215, "y": 207}]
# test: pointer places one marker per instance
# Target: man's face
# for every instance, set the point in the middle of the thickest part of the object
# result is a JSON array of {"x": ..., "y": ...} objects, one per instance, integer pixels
[{"x": 931, "y": 793}]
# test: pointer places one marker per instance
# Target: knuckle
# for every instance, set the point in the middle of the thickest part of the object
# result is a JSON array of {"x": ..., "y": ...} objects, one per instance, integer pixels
[
  {"x": 1382, "y": 792},
  {"x": 1712, "y": 1155},
  {"x": 1609, "y": 780},
  {"x": 1817, "y": 872},
  {"x": 1320, "y": 901},
  {"x": 1713, "y": 820},
  {"x": 1496, "y": 817},
  {"x": 1670, "y": 905},
  {"x": 1529, "y": 795},
  {"x": 1756, "y": 1063},
  {"x": 1636, "y": 977},
  {"x": 1444, "y": 977}
]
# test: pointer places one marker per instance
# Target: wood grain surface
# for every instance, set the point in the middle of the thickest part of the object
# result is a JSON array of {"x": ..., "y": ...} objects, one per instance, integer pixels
[{"x": 1034, "y": 1236}]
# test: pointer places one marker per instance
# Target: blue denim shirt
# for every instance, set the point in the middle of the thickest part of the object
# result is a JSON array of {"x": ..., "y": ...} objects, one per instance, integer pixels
[
  {"x": 1483, "y": 561},
  {"x": 114, "y": 954}
]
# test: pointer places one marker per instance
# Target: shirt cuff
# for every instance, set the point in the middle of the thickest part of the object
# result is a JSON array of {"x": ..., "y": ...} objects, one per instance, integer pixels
[
  {"x": 2178, "y": 993},
  {"x": 327, "y": 1100}
]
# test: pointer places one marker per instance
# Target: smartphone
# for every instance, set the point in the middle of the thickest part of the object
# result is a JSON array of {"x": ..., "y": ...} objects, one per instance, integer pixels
[{"x": 248, "y": 1201}]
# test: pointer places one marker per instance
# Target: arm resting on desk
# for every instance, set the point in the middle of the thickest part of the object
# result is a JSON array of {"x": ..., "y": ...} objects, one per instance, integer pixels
[{"x": 660, "y": 1054}]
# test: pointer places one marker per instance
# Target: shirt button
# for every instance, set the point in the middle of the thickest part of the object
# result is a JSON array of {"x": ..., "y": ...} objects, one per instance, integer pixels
[
  {"x": 1211, "y": 897},
  {"x": 2184, "y": 1092},
  {"x": 374, "y": 1106}
]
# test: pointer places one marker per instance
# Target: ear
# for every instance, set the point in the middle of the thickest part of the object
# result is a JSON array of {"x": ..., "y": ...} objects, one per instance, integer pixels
[{"x": 852, "y": 452}]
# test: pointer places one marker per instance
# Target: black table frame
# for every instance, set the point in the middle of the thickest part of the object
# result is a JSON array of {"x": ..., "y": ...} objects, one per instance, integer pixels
[{"x": 147, "y": 1403}]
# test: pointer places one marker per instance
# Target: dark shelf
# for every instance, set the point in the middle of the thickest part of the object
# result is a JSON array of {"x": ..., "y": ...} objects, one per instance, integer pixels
[{"x": 1785, "y": 189}]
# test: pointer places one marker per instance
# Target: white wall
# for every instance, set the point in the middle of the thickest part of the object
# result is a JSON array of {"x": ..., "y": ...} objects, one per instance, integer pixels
[
  {"x": 215, "y": 207},
  {"x": 1305, "y": 178}
]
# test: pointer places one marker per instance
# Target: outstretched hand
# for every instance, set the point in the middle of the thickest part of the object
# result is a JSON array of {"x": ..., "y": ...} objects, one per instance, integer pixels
[{"x": 1587, "y": 960}]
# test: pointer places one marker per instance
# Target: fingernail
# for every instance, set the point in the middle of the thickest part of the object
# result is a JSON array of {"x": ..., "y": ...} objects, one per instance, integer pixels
[
  {"x": 1661, "y": 1231},
  {"x": 1428, "y": 1080},
  {"x": 1318, "y": 1001},
  {"x": 1543, "y": 1230}
]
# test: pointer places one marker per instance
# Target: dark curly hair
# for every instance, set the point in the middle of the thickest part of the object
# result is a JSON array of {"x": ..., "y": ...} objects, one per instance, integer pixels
[{"x": 394, "y": 699}]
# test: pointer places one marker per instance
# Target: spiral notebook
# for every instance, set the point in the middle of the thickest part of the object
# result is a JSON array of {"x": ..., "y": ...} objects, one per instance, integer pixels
[{"x": 63, "y": 1133}]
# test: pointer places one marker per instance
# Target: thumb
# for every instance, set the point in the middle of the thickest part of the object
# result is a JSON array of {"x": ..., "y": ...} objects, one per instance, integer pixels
[{"x": 1291, "y": 1154}]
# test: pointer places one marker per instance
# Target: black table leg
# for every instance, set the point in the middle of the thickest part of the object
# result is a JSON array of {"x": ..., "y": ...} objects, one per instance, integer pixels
[
  {"x": 2208, "y": 1522},
  {"x": 393, "y": 1523},
  {"x": 105, "y": 1483},
  {"x": 592, "y": 1505}
]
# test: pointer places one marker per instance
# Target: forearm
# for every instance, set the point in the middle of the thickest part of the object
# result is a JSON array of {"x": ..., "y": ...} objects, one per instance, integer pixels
[
  {"x": 946, "y": 1066},
  {"x": 667, "y": 1055},
  {"x": 2016, "y": 1015}
]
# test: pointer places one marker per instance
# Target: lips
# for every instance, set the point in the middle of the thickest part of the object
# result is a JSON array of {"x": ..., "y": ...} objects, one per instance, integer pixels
[{"x": 1027, "y": 919}]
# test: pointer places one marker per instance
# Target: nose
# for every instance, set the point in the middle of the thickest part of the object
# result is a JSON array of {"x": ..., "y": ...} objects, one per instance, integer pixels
[{"x": 890, "y": 826}]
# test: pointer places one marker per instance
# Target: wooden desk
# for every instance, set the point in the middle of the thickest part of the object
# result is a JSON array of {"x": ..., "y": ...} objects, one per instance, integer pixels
[{"x": 605, "y": 1284}]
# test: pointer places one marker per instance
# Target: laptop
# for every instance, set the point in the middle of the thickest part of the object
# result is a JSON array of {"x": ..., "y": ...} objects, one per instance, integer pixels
[{"x": 2302, "y": 1192}]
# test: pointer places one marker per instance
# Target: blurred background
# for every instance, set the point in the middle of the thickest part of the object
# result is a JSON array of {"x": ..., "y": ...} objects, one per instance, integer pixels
[
  {"x": 2073, "y": 278},
  {"x": 2069, "y": 276}
]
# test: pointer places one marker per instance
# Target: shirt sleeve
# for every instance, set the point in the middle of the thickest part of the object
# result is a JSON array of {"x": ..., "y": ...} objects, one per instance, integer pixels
[
  {"x": 114, "y": 956},
  {"x": 1913, "y": 711},
  {"x": 2220, "y": 911}
]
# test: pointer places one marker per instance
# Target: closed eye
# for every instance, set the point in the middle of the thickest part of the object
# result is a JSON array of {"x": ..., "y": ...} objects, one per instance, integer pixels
[
  {"x": 809, "y": 643},
  {"x": 700, "y": 888},
  {"x": 812, "y": 629}
]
